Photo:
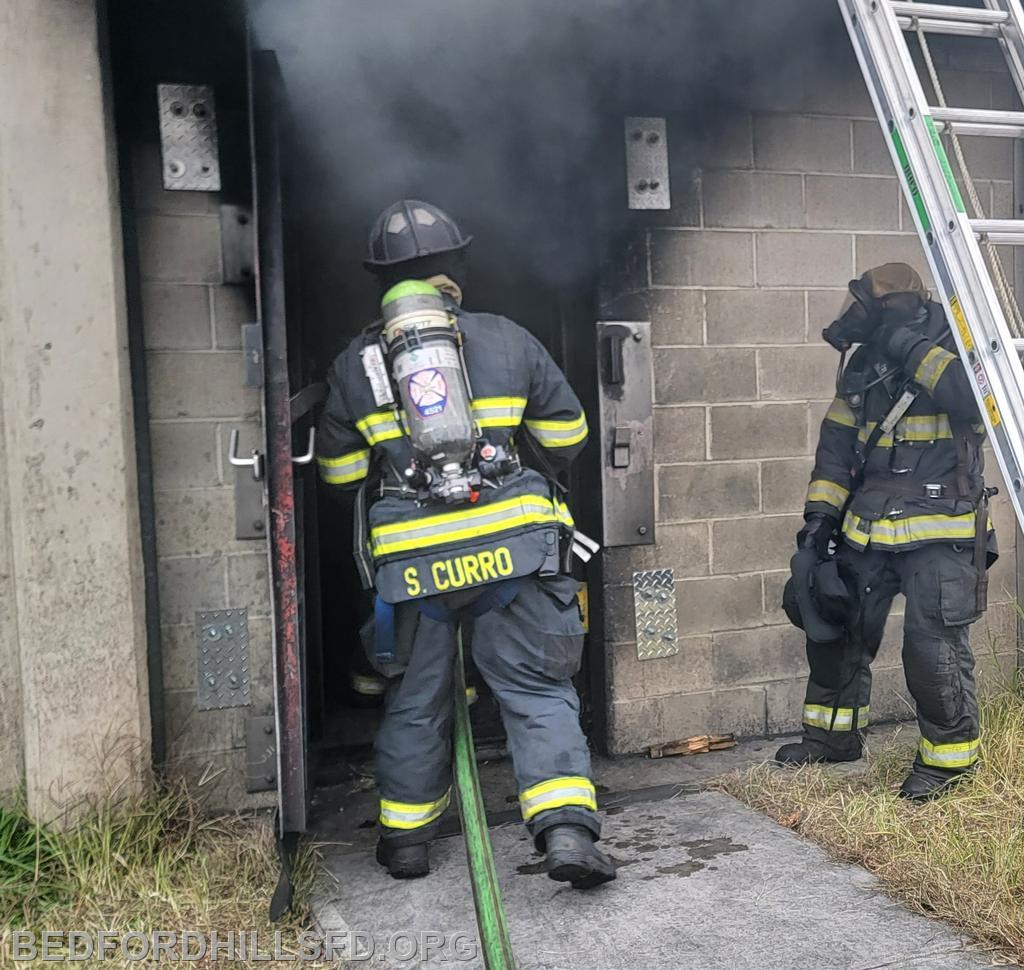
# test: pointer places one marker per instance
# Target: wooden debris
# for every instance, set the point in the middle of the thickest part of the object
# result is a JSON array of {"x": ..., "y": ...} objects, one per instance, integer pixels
[{"x": 699, "y": 744}]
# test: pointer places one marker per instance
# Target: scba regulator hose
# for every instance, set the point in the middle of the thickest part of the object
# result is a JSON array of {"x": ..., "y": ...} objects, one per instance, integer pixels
[{"x": 490, "y": 916}]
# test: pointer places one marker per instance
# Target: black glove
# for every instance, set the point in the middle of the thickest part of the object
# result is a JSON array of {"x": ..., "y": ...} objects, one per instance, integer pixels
[{"x": 817, "y": 533}]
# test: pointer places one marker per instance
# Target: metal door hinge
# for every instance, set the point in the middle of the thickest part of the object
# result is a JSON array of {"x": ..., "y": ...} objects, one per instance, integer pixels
[{"x": 260, "y": 754}]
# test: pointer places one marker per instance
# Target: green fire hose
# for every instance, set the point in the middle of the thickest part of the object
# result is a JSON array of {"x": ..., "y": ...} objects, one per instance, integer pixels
[{"x": 490, "y": 917}]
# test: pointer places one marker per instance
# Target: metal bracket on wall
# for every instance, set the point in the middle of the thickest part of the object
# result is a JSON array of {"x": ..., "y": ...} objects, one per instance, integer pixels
[
  {"x": 260, "y": 754},
  {"x": 222, "y": 650},
  {"x": 188, "y": 137},
  {"x": 237, "y": 243},
  {"x": 647, "y": 175},
  {"x": 654, "y": 604},
  {"x": 252, "y": 355}
]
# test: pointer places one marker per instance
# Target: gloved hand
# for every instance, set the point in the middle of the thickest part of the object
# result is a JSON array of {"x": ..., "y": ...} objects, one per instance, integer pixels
[{"x": 816, "y": 534}]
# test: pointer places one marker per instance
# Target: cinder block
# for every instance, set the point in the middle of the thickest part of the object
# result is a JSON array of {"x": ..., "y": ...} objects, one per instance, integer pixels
[
  {"x": 704, "y": 374},
  {"x": 690, "y": 257},
  {"x": 755, "y": 317},
  {"x": 965, "y": 89},
  {"x": 1001, "y": 206},
  {"x": 756, "y": 656},
  {"x": 840, "y": 90},
  {"x": 870, "y": 151},
  {"x": 689, "y": 670},
  {"x": 753, "y": 200},
  {"x": 1004, "y": 93},
  {"x": 795, "y": 143},
  {"x": 677, "y": 316},
  {"x": 797, "y": 373},
  {"x": 626, "y": 271},
  {"x": 707, "y": 491},
  {"x": 727, "y": 142},
  {"x": 718, "y": 603},
  {"x": 745, "y": 545},
  {"x": 890, "y": 651},
  {"x": 874, "y": 250},
  {"x": 995, "y": 671},
  {"x": 619, "y": 618},
  {"x": 198, "y": 385},
  {"x": 191, "y": 731},
  {"x": 996, "y": 631},
  {"x": 184, "y": 454},
  {"x": 740, "y": 711},
  {"x": 987, "y": 158},
  {"x": 823, "y": 307},
  {"x": 803, "y": 259},
  {"x": 852, "y": 202},
  {"x": 149, "y": 191},
  {"x": 682, "y": 548},
  {"x": 679, "y": 434},
  {"x": 176, "y": 316},
  {"x": 890, "y": 698},
  {"x": 772, "y": 586},
  {"x": 179, "y": 248},
  {"x": 633, "y": 725},
  {"x": 189, "y": 584},
  {"x": 785, "y": 703},
  {"x": 625, "y": 673},
  {"x": 249, "y": 583},
  {"x": 784, "y": 484},
  {"x": 232, "y": 307},
  {"x": 759, "y": 431},
  {"x": 224, "y": 787},
  {"x": 194, "y": 522}
]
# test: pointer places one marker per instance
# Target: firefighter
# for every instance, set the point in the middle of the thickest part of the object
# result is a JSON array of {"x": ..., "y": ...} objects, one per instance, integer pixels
[
  {"x": 482, "y": 541},
  {"x": 905, "y": 509}
]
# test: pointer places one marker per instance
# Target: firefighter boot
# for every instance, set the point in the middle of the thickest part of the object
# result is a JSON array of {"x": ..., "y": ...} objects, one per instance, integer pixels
[
  {"x": 404, "y": 861},
  {"x": 808, "y": 751},
  {"x": 925, "y": 783},
  {"x": 573, "y": 857}
]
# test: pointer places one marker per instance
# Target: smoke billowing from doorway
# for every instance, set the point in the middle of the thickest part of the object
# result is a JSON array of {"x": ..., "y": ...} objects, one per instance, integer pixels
[{"x": 509, "y": 114}]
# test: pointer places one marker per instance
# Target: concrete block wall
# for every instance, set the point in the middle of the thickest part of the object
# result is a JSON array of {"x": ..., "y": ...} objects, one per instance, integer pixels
[
  {"x": 192, "y": 325},
  {"x": 738, "y": 281}
]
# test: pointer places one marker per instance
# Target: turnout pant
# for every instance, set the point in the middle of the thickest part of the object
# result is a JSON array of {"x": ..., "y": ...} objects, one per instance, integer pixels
[
  {"x": 527, "y": 652},
  {"x": 940, "y": 582}
]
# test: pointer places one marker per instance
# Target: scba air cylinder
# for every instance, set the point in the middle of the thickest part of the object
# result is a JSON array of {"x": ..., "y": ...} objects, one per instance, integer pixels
[{"x": 425, "y": 363}]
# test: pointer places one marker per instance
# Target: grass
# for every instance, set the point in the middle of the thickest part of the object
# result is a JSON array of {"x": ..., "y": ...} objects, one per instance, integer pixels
[
  {"x": 960, "y": 858},
  {"x": 157, "y": 862}
]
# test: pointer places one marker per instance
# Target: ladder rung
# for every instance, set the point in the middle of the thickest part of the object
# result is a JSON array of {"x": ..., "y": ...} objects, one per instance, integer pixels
[
  {"x": 979, "y": 116},
  {"x": 955, "y": 27},
  {"x": 1019, "y": 344},
  {"x": 980, "y": 129},
  {"x": 942, "y": 11},
  {"x": 1002, "y": 232}
]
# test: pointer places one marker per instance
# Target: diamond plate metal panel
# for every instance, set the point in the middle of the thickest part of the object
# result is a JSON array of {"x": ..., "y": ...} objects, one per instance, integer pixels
[
  {"x": 647, "y": 164},
  {"x": 222, "y": 647},
  {"x": 654, "y": 603},
  {"x": 188, "y": 137}
]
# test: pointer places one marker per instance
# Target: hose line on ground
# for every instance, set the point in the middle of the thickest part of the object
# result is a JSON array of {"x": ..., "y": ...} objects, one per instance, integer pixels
[{"x": 490, "y": 916}]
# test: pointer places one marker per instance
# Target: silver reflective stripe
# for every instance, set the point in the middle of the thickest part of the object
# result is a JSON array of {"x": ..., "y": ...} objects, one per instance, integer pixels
[
  {"x": 820, "y": 715},
  {"x": 960, "y": 754},
  {"x": 346, "y": 468},
  {"x": 401, "y": 815}
]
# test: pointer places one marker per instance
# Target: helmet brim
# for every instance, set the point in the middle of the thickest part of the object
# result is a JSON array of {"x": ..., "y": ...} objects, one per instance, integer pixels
[{"x": 375, "y": 264}]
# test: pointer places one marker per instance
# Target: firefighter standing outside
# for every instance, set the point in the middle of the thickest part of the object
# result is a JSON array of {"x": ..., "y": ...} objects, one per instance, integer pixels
[
  {"x": 906, "y": 508},
  {"x": 424, "y": 417}
]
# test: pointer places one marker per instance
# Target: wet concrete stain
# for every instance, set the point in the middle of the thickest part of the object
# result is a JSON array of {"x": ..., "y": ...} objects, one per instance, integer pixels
[{"x": 701, "y": 851}]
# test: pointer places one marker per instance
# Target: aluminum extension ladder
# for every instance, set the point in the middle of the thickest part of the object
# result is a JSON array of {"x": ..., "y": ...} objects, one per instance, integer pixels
[{"x": 912, "y": 129}]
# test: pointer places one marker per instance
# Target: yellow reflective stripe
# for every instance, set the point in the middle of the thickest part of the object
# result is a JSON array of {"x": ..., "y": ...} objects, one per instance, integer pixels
[
  {"x": 933, "y": 365},
  {"x": 557, "y": 793},
  {"x": 363, "y": 684},
  {"x": 380, "y": 426},
  {"x": 409, "y": 815},
  {"x": 471, "y": 523},
  {"x": 818, "y": 715},
  {"x": 822, "y": 490},
  {"x": 563, "y": 513},
  {"x": 558, "y": 434},
  {"x": 840, "y": 412},
  {"x": 916, "y": 427},
  {"x": 961, "y": 754},
  {"x": 345, "y": 468},
  {"x": 914, "y": 528},
  {"x": 499, "y": 412}
]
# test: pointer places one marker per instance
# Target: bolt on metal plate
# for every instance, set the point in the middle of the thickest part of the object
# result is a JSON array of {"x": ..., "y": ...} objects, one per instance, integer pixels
[
  {"x": 188, "y": 137},
  {"x": 222, "y": 650},
  {"x": 647, "y": 180},
  {"x": 260, "y": 754},
  {"x": 654, "y": 604},
  {"x": 237, "y": 244}
]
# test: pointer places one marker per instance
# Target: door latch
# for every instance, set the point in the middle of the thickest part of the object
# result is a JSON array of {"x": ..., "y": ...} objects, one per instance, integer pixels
[
  {"x": 255, "y": 461},
  {"x": 310, "y": 451},
  {"x": 621, "y": 439}
]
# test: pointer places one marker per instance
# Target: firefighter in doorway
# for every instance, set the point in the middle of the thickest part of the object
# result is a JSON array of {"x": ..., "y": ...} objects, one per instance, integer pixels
[
  {"x": 425, "y": 412},
  {"x": 897, "y": 493}
]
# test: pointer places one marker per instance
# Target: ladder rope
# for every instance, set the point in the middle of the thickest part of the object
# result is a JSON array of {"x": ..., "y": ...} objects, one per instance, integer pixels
[{"x": 1005, "y": 290}]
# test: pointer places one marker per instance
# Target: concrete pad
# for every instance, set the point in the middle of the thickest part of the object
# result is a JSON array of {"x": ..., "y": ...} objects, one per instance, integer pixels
[{"x": 704, "y": 883}]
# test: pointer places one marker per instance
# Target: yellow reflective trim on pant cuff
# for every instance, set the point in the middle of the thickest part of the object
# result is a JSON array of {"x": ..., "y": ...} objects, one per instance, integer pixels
[
  {"x": 820, "y": 716},
  {"x": 960, "y": 754},
  {"x": 557, "y": 793},
  {"x": 831, "y": 493},
  {"x": 409, "y": 815}
]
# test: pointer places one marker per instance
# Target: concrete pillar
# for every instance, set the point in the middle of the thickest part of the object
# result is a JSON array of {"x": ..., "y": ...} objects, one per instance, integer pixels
[{"x": 75, "y": 555}]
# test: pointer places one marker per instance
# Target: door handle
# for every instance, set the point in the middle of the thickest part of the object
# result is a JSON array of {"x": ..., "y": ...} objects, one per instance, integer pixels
[
  {"x": 310, "y": 451},
  {"x": 255, "y": 461},
  {"x": 616, "y": 371}
]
